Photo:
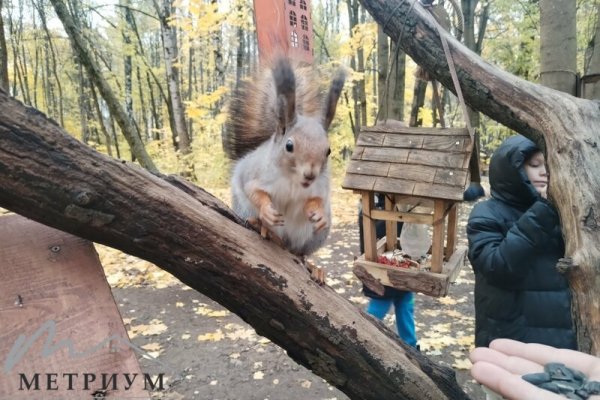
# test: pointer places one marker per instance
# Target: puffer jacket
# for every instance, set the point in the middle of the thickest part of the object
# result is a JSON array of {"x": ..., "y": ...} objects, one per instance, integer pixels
[{"x": 515, "y": 241}]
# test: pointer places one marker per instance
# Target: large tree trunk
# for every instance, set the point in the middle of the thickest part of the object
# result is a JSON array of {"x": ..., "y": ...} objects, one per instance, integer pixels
[
  {"x": 48, "y": 176},
  {"x": 569, "y": 126},
  {"x": 86, "y": 59}
]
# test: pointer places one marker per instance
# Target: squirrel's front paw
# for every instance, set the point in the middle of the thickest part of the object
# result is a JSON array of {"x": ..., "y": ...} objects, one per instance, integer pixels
[
  {"x": 270, "y": 216},
  {"x": 317, "y": 217}
]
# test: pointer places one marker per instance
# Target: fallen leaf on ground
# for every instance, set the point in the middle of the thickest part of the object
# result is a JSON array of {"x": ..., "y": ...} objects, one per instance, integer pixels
[
  {"x": 258, "y": 375},
  {"x": 155, "y": 327},
  {"x": 211, "y": 337},
  {"x": 464, "y": 364},
  {"x": 212, "y": 313}
]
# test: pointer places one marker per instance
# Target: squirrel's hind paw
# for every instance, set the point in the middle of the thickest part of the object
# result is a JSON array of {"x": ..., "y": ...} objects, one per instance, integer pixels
[
  {"x": 317, "y": 274},
  {"x": 265, "y": 233}
]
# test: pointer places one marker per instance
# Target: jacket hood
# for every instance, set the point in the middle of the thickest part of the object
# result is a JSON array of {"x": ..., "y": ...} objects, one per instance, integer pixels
[{"x": 508, "y": 180}]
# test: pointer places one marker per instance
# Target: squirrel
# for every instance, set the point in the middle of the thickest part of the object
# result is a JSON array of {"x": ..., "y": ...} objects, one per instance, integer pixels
[{"x": 277, "y": 133}]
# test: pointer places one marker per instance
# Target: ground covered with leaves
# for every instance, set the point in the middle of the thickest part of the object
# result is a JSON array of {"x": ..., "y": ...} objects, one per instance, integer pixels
[{"x": 206, "y": 352}]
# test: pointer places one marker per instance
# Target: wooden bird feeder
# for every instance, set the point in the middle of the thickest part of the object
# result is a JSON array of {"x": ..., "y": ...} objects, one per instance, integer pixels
[{"x": 424, "y": 167}]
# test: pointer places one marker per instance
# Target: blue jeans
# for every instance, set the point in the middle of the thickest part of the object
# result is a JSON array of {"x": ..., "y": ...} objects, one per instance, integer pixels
[{"x": 405, "y": 308}]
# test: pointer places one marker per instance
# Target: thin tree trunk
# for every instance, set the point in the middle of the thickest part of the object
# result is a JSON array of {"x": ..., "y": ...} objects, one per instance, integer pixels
[
  {"x": 418, "y": 101},
  {"x": 558, "y": 45},
  {"x": 105, "y": 133},
  {"x": 468, "y": 10},
  {"x": 391, "y": 79},
  {"x": 592, "y": 90},
  {"x": 557, "y": 122},
  {"x": 353, "y": 19},
  {"x": 360, "y": 65},
  {"x": 127, "y": 63},
  {"x": 156, "y": 116},
  {"x": 383, "y": 55},
  {"x": 171, "y": 58},
  {"x": 82, "y": 101},
  {"x": 54, "y": 68},
  {"x": 81, "y": 48},
  {"x": 146, "y": 123},
  {"x": 198, "y": 239},
  {"x": 4, "y": 83}
]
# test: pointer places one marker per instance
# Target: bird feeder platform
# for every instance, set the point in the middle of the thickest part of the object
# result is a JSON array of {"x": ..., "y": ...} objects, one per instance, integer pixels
[{"x": 424, "y": 171}]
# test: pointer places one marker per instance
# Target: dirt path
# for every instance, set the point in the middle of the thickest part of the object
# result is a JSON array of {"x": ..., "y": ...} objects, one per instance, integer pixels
[{"x": 205, "y": 352}]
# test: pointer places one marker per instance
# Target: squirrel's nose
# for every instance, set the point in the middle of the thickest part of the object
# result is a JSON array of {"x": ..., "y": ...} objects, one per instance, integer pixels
[{"x": 309, "y": 176}]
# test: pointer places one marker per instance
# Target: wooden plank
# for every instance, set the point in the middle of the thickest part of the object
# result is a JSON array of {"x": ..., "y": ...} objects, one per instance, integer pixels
[
  {"x": 447, "y": 143},
  {"x": 438, "y": 191},
  {"x": 439, "y": 225},
  {"x": 358, "y": 182},
  {"x": 438, "y": 158},
  {"x": 452, "y": 177},
  {"x": 357, "y": 153},
  {"x": 404, "y": 141},
  {"x": 414, "y": 201},
  {"x": 451, "y": 235},
  {"x": 53, "y": 279},
  {"x": 417, "y": 130},
  {"x": 385, "y": 154},
  {"x": 419, "y": 173},
  {"x": 391, "y": 227},
  {"x": 370, "y": 139},
  {"x": 398, "y": 216},
  {"x": 372, "y": 168},
  {"x": 455, "y": 263},
  {"x": 404, "y": 278},
  {"x": 380, "y": 246},
  {"x": 396, "y": 186},
  {"x": 369, "y": 233}
]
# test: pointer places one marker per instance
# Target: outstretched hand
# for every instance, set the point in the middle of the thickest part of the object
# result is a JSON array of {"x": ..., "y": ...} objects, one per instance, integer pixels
[{"x": 501, "y": 366}]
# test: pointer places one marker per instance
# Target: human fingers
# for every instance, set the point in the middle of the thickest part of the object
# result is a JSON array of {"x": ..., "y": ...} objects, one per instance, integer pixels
[
  {"x": 507, "y": 384},
  {"x": 512, "y": 364},
  {"x": 543, "y": 355}
]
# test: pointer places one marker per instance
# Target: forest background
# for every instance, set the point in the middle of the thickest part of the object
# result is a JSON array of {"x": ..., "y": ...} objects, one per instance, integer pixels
[{"x": 172, "y": 67}]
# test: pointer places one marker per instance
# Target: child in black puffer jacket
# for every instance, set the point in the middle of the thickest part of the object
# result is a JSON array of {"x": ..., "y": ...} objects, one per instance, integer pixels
[{"x": 515, "y": 241}]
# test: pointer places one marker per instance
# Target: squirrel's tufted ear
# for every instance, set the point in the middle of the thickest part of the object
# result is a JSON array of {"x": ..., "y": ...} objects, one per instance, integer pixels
[
  {"x": 285, "y": 85},
  {"x": 332, "y": 97}
]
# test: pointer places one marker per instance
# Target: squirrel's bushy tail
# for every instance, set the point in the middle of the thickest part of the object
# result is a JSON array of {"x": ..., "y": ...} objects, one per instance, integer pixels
[{"x": 253, "y": 107}]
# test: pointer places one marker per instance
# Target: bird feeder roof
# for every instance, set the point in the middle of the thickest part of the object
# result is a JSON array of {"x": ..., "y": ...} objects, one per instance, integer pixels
[{"x": 421, "y": 162}]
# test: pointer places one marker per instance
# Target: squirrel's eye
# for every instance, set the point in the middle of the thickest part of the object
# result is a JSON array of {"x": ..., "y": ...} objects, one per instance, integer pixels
[
  {"x": 328, "y": 151},
  {"x": 289, "y": 146}
]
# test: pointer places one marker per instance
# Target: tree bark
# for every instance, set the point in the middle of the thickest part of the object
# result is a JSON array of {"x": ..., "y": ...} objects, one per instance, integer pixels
[
  {"x": 85, "y": 57},
  {"x": 50, "y": 177},
  {"x": 563, "y": 125}
]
